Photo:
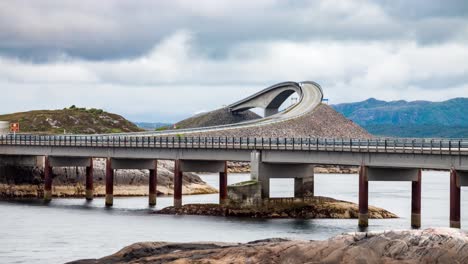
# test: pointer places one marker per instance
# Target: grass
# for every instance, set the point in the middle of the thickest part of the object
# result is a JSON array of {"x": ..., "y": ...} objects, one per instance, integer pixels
[{"x": 71, "y": 120}]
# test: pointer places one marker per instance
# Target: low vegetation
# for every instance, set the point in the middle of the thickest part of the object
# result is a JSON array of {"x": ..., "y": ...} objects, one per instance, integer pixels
[{"x": 71, "y": 120}]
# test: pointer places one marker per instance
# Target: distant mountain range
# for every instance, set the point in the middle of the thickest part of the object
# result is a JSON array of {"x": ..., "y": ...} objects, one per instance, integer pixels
[
  {"x": 151, "y": 125},
  {"x": 447, "y": 119}
]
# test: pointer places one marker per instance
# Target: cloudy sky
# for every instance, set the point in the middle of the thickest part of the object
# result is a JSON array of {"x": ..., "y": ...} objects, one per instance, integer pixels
[{"x": 165, "y": 60}]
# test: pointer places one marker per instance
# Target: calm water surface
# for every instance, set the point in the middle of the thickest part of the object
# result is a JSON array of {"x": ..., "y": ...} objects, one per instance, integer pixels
[{"x": 70, "y": 229}]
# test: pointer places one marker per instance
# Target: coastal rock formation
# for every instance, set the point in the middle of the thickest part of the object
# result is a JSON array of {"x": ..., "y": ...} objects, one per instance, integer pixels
[
  {"x": 316, "y": 207},
  {"x": 69, "y": 181},
  {"x": 414, "y": 246}
]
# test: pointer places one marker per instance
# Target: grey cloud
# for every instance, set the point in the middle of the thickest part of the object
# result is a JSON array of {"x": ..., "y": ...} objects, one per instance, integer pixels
[
  {"x": 91, "y": 30},
  {"x": 419, "y": 9}
]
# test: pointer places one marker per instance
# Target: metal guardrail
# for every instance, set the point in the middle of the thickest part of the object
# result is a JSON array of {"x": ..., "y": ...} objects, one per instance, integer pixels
[{"x": 379, "y": 145}]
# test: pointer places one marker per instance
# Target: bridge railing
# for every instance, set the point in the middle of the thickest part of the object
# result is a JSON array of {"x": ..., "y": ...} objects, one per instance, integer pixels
[{"x": 385, "y": 145}]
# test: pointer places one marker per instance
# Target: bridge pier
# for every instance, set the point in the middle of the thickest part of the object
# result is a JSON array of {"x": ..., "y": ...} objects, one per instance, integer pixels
[
  {"x": 214, "y": 166},
  {"x": 153, "y": 176},
  {"x": 89, "y": 181},
  {"x": 367, "y": 173},
  {"x": 455, "y": 206},
  {"x": 177, "y": 184},
  {"x": 47, "y": 180},
  {"x": 304, "y": 187},
  {"x": 416, "y": 201},
  {"x": 363, "y": 197},
  {"x": 109, "y": 183},
  {"x": 223, "y": 182},
  {"x": 262, "y": 172}
]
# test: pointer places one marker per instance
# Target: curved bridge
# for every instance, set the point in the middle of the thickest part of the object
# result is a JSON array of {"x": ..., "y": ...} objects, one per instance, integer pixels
[{"x": 270, "y": 99}]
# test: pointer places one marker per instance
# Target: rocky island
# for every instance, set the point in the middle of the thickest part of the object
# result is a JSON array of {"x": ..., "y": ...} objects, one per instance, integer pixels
[
  {"x": 413, "y": 246},
  {"x": 309, "y": 208}
]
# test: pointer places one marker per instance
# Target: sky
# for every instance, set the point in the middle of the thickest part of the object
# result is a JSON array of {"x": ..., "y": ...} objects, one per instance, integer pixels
[{"x": 166, "y": 60}]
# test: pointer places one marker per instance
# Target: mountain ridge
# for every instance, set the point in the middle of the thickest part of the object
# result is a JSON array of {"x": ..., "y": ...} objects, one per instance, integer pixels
[{"x": 402, "y": 118}]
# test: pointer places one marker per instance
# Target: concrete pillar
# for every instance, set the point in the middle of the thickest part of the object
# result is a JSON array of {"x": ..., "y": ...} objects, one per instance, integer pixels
[
  {"x": 223, "y": 185},
  {"x": 89, "y": 181},
  {"x": 47, "y": 180},
  {"x": 454, "y": 200},
  {"x": 255, "y": 160},
  {"x": 153, "y": 180},
  {"x": 416, "y": 202},
  {"x": 265, "y": 183},
  {"x": 363, "y": 197},
  {"x": 304, "y": 187},
  {"x": 109, "y": 183},
  {"x": 298, "y": 188},
  {"x": 177, "y": 184},
  {"x": 257, "y": 173}
]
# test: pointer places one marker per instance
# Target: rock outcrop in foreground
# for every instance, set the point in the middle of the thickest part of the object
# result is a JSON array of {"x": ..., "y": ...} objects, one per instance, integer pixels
[
  {"x": 416, "y": 246},
  {"x": 316, "y": 207}
]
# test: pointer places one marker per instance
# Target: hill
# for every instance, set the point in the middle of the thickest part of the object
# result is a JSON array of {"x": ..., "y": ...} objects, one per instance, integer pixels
[
  {"x": 215, "y": 118},
  {"x": 324, "y": 121},
  {"x": 410, "y": 119},
  {"x": 71, "y": 120}
]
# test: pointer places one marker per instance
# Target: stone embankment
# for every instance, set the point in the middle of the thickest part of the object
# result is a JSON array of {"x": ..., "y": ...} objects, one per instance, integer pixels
[
  {"x": 414, "y": 246},
  {"x": 316, "y": 207},
  {"x": 69, "y": 182}
]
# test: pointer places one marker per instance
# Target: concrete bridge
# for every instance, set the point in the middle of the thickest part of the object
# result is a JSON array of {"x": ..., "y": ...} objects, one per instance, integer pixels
[{"x": 379, "y": 160}]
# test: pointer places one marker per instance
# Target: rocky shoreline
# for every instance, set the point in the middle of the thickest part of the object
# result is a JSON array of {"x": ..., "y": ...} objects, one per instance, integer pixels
[
  {"x": 434, "y": 245},
  {"x": 78, "y": 190},
  {"x": 27, "y": 182},
  {"x": 310, "y": 208}
]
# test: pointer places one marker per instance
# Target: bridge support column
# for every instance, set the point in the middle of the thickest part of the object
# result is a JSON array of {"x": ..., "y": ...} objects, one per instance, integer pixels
[
  {"x": 257, "y": 173},
  {"x": 47, "y": 180},
  {"x": 363, "y": 197},
  {"x": 177, "y": 184},
  {"x": 153, "y": 176},
  {"x": 89, "y": 181},
  {"x": 454, "y": 200},
  {"x": 304, "y": 187},
  {"x": 416, "y": 201},
  {"x": 109, "y": 183},
  {"x": 223, "y": 185}
]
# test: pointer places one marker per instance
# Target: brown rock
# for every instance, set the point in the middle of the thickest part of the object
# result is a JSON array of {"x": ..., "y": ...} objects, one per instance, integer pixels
[
  {"x": 415, "y": 246},
  {"x": 316, "y": 207},
  {"x": 69, "y": 181}
]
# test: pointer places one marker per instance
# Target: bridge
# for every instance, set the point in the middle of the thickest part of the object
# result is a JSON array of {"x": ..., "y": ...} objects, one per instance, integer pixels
[{"x": 380, "y": 159}]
